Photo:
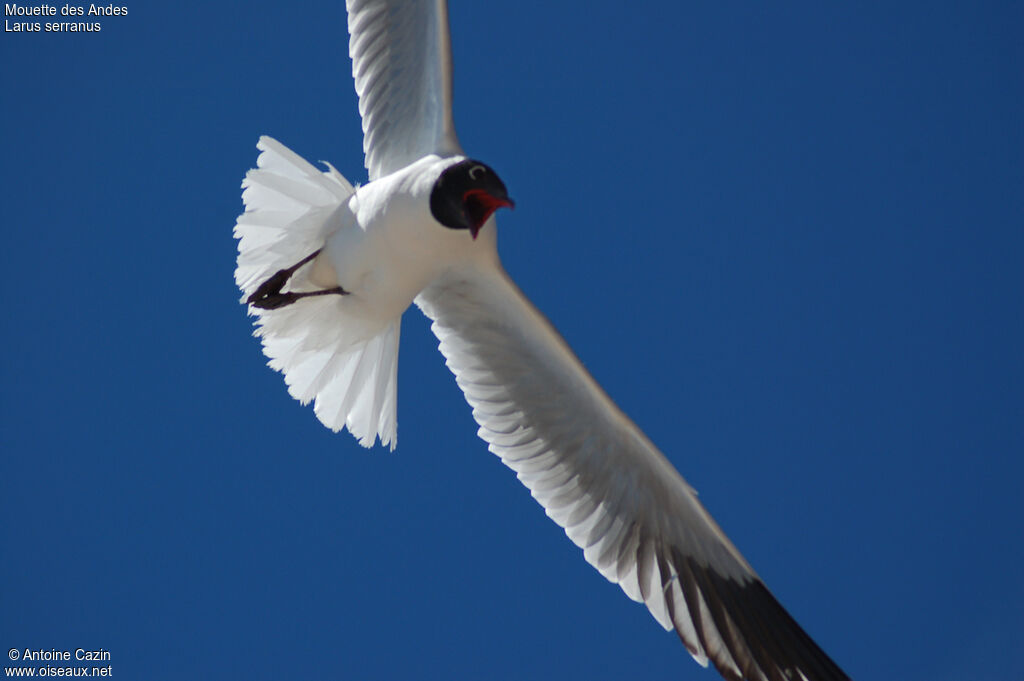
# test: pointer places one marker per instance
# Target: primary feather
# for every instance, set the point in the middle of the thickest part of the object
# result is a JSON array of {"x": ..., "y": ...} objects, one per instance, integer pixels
[
  {"x": 599, "y": 477},
  {"x": 402, "y": 66},
  {"x": 594, "y": 472}
]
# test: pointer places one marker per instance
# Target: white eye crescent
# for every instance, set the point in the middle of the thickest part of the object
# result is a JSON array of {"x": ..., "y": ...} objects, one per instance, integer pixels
[{"x": 474, "y": 170}]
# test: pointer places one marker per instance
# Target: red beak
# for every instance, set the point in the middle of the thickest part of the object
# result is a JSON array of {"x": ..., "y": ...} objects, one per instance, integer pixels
[{"x": 480, "y": 206}]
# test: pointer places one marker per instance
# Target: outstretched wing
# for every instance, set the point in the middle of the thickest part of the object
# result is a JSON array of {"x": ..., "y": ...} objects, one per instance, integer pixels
[
  {"x": 402, "y": 65},
  {"x": 599, "y": 477}
]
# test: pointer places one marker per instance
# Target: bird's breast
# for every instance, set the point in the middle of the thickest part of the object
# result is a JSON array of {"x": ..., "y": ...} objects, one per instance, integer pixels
[{"x": 388, "y": 246}]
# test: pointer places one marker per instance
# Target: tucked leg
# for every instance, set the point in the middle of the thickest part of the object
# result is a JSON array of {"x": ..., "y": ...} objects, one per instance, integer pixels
[{"x": 270, "y": 297}]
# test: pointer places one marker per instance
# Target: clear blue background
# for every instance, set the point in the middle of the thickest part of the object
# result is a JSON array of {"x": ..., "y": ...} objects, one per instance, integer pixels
[{"x": 787, "y": 240}]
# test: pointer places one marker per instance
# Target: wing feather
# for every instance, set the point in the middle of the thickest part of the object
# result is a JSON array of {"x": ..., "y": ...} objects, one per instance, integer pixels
[
  {"x": 402, "y": 67},
  {"x": 596, "y": 474}
]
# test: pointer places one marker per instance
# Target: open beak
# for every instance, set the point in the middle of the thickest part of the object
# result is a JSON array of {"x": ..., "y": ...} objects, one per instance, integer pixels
[{"x": 481, "y": 206}]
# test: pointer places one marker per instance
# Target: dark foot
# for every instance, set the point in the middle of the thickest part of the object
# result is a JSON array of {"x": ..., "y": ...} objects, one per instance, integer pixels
[
  {"x": 270, "y": 297},
  {"x": 276, "y": 300}
]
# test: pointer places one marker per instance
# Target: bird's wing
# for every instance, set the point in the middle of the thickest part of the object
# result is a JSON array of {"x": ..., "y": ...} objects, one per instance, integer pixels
[
  {"x": 402, "y": 65},
  {"x": 599, "y": 477}
]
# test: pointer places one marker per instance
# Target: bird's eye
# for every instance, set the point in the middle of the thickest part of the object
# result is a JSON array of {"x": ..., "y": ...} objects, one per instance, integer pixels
[{"x": 475, "y": 169}]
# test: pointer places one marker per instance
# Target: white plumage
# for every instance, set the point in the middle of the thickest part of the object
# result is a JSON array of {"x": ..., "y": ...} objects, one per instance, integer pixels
[
  {"x": 343, "y": 361},
  {"x": 594, "y": 472},
  {"x": 402, "y": 67}
]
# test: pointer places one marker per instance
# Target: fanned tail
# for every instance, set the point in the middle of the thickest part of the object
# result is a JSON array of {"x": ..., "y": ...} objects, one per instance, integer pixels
[{"x": 344, "y": 362}]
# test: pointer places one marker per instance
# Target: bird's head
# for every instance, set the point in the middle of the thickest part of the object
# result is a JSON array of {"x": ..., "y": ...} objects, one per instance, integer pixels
[{"x": 466, "y": 194}]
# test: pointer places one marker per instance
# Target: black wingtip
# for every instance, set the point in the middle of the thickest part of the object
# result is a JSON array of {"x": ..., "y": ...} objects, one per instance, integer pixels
[{"x": 762, "y": 638}]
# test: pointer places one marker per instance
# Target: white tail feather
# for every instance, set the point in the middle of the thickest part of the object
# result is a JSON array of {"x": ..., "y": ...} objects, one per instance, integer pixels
[{"x": 329, "y": 353}]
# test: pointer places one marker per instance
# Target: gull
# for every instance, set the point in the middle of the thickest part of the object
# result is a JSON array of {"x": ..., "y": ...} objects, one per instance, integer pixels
[{"x": 328, "y": 269}]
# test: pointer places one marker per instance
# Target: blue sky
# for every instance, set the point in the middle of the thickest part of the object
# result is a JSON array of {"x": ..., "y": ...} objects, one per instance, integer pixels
[{"x": 787, "y": 240}]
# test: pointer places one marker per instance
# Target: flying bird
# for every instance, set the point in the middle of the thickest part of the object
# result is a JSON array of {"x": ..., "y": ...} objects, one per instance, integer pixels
[{"x": 328, "y": 269}]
